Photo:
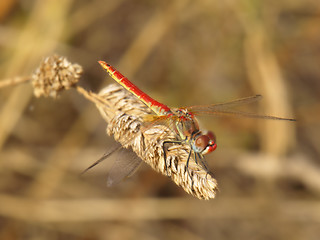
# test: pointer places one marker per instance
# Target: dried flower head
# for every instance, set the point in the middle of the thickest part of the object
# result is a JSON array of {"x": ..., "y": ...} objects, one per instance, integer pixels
[
  {"x": 54, "y": 74},
  {"x": 125, "y": 114}
]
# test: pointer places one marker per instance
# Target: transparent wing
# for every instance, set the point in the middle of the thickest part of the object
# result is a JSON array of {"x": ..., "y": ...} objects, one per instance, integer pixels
[
  {"x": 221, "y": 109},
  {"x": 104, "y": 157},
  {"x": 124, "y": 166},
  {"x": 234, "y": 103},
  {"x": 240, "y": 114}
]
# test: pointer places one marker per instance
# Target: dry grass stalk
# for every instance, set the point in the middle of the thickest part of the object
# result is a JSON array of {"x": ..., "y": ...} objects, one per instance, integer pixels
[{"x": 124, "y": 113}]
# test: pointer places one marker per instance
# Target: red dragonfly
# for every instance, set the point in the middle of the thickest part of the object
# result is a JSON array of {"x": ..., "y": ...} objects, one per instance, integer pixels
[{"x": 182, "y": 120}]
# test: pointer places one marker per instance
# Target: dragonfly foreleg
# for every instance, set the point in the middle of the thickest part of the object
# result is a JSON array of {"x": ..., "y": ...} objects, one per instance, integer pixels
[
  {"x": 203, "y": 161},
  {"x": 187, "y": 167},
  {"x": 165, "y": 153}
]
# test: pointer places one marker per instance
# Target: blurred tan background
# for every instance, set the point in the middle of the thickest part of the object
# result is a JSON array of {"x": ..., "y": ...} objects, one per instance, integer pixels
[{"x": 181, "y": 53}]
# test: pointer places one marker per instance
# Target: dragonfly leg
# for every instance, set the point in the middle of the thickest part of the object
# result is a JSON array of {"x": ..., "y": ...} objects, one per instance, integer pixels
[
  {"x": 165, "y": 153},
  {"x": 205, "y": 165},
  {"x": 187, "y": 164},
  {"x": 187, "y": 168},
  {"x": 203, "y": 161},
  {"x": 195, "y": 155}
]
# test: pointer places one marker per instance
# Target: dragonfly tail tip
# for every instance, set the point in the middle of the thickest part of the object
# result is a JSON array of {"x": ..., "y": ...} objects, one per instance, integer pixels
[{"x": 101, "y": 62}]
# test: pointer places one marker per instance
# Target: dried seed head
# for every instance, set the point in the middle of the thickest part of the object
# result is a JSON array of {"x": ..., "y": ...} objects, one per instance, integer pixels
[
  {"x": 54, "y": 74},
  {"x": 125, "y": 116}
]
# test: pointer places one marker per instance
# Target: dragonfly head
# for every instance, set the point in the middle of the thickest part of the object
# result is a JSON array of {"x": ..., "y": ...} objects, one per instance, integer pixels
[{"x": 205, "y": 143}]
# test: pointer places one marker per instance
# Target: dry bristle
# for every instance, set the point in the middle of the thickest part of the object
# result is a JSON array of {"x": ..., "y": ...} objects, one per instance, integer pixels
[
  {"x": 54, "y": 74},
  {"x": 125, "y": 115}
]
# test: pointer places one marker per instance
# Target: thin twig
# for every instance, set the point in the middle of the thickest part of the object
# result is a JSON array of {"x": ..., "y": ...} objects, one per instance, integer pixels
[
  {"x": 14, "y": 81},
  {"x": 93, "y": 97}
]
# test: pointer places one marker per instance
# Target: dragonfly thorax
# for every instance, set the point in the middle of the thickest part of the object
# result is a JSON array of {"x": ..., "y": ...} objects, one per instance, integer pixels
[
  {"x": 186, "y": 124},
  {"x": 188, "y": 129}
]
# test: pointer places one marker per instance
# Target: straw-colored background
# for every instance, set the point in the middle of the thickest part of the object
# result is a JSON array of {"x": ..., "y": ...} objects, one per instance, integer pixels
[{"x": 182, "y": 53}]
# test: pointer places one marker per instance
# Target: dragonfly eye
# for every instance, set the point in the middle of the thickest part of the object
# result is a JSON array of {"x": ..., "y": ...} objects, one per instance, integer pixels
[
  {"x": 202, "y": 142},
  {"x": 211, "y": 136},
  {"x": 206, "y": 143}
]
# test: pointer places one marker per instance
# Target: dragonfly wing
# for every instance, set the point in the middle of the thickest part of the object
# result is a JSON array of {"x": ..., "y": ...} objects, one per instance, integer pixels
[
  {"x": 241, "y": 114},
  {"x": 104, "y": 157},
  {"x": 234, "y": 103},
  {"x": 123, "y": 167},
  {"x": 222, "y": 109}
]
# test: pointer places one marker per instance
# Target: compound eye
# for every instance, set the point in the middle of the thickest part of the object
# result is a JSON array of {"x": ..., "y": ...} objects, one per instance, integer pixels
[
  {"x": 202, "y": 142},
  {"x": 211, "y": 136}
]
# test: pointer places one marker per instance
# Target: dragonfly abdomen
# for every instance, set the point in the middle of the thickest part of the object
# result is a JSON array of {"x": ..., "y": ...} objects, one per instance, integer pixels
[{"x": 158, "y": 108}]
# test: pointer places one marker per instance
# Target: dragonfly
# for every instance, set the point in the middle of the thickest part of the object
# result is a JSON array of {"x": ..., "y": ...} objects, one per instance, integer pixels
[{"x": 182, "y": 120}]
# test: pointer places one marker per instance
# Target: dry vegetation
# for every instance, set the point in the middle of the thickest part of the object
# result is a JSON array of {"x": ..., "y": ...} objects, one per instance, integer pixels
[{"x": 181, "y": 53}]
